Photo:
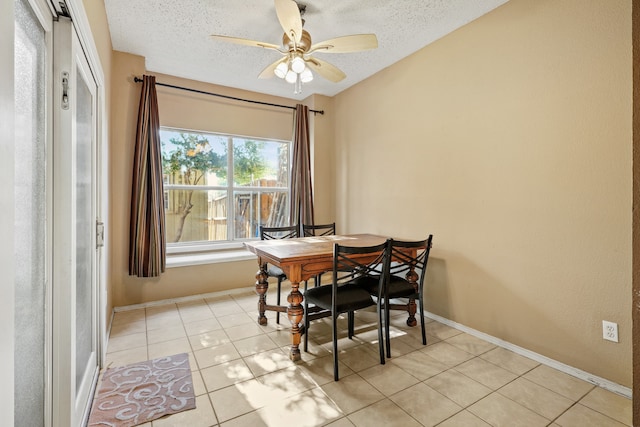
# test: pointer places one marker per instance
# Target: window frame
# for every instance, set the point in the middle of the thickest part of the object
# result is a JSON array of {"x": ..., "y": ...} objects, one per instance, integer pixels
[{"x": 202, "y": 247}]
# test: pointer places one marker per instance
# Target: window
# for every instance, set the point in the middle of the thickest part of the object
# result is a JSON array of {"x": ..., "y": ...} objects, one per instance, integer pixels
[{"x": 222, "y": 188}]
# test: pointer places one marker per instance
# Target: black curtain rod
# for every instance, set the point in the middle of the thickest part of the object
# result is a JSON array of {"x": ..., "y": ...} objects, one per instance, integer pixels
[{"x": 139, "y": 80}]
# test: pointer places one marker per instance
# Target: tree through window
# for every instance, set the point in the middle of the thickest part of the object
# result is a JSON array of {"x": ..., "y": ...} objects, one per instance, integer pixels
[{"x": 222, "y": 188}]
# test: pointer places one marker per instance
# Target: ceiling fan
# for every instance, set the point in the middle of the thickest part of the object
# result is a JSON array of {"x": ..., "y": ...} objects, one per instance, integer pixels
[{"x": 297, "y": 62}]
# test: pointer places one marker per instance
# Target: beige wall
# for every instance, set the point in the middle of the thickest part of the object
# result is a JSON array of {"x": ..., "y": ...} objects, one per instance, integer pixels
[
  {"x": 97, "y": 16},
  {"x": 188, "y": 111},
  {"x": 510, "y": 140},
  {"x": 322, "y": 158}
]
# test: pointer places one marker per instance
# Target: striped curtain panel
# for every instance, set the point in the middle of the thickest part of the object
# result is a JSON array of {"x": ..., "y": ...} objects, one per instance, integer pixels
[
  {"x": 301, "y": 189},
  {"x": 147, "y": 240}
]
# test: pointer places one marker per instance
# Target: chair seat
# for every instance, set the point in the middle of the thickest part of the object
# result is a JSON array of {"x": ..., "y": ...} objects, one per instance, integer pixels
[
  {"x": 275, "y": 271},
  {"x": 366, "y": 282},
  {"x": 350, "y": 298},
  {"x": 398, "y": 288}
]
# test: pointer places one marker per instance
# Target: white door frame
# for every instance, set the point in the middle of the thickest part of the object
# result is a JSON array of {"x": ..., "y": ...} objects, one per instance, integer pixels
[
  {"x": 64, "y": 411},
  {"x": 83, "y": 29},
  {"x": 72, "y": 395},
  {"x": 7, "y": 140}
]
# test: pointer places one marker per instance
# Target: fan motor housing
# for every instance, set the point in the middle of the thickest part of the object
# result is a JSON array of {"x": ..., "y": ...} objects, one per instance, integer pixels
[{"x": 303, "y": 46}]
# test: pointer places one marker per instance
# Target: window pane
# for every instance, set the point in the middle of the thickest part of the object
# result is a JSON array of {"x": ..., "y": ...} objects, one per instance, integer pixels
[
  {"x": 254, "y": 209},
  {"x": 197, "y": 167},
  {"x": 85, "y": 227},
  {"x": 260, "y": 163},
  {"x": 195, "y": 215},
  {"x": 190, "y": 158}
]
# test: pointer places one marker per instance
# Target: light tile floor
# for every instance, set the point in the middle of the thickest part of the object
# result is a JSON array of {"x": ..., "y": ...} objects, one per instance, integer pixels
[{"x": 243, "y": 377}]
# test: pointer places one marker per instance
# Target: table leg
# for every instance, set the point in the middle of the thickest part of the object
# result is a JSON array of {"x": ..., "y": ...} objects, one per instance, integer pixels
[
  {"x": 412, "y": 277},
  {"x": 295, "y": 312},
  {"x": 261, "y": 289}
]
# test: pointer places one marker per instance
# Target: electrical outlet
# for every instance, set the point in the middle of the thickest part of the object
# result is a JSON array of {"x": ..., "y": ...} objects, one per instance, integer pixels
[{"x": 610, "y": 331}]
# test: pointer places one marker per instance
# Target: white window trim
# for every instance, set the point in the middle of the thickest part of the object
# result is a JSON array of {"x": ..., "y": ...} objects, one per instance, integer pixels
[
  {"x": 212, "y": 257},
  {"x": 193, "y": 247},
  {"x": 187, "y": 254}
]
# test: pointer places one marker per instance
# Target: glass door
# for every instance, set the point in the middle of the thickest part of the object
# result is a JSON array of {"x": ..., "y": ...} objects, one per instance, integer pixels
[
  {"x": 30, "y": 170},
  {"x": 85, "y": 244},
  {"x": 75, "y": 327}
]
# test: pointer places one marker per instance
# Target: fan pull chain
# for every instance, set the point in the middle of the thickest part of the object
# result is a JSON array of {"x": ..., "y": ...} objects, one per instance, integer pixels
[{"x": 298, "y": 86}]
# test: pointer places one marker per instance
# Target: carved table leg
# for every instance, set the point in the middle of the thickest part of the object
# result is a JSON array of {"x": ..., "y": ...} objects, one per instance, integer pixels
[
  {"x": 412, "y": 277},
  {"x": 261, "y": 289},
  {"x": 295, "y": 312}
]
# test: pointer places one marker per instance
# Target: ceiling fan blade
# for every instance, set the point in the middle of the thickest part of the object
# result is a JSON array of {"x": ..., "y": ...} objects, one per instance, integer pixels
[
  {"x": 246, "y": 42},
  {"x": 289, "y": 17},
  {"x": 267, "y": 73},
  {"x": 346, "y": 44},
  {"x": 326, "y": 70}
]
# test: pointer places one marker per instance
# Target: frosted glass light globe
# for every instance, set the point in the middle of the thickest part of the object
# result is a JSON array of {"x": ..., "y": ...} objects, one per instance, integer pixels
[
  {"x": 306, "y": 76},
  {"x": 281, "y": 70},
  {"x": 291, "y": 77},
  {"x": 297, "y": 65}
]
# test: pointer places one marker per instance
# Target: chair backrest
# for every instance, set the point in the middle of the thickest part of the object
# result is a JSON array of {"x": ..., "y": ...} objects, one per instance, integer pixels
[
  {"x": 275, "y": 233},
  {"x": 409, "y": 258},
  {"x": 319, "y": 230},
  {"x": 362, "y": 264}
]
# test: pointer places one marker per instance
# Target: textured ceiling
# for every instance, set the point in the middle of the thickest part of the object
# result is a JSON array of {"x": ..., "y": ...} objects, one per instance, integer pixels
[{"x": 173, "y": 36}]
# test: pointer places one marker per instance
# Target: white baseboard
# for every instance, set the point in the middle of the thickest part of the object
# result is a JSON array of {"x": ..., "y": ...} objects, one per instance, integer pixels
[{"x": 578, "y": 373}]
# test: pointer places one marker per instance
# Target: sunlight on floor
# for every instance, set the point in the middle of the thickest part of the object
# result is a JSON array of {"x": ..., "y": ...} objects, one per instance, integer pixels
[{"x": 242, "y": 374}]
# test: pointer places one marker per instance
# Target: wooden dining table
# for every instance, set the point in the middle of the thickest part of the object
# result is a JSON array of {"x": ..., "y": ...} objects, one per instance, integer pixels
[{"x": 301, "y": 259}]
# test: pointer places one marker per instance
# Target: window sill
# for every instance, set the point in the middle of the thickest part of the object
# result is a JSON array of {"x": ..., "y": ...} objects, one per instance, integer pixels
[{"x": 185, "y": 260}]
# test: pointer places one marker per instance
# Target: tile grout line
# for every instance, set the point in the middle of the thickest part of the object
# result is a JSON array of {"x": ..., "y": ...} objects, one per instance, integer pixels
[
  {"x": 554, "y": 364},
  {"x": 266, "y": 333},
  {"x": 198, "y": 366}
]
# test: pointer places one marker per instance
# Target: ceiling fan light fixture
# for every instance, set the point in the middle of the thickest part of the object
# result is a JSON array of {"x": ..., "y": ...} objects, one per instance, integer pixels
[
  {"x": 297, "y": 65},
  {"x": 281, "y": 70},
  {"x": 297, "y": 47},
  {"x": 306, "y": 76},
  {"x": 291, "y": 76}
]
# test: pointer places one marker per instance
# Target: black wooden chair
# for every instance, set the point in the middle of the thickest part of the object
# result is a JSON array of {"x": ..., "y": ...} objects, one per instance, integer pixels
[
  {"x": 355, "y": 270},
  {"x": 406, "y": 263},
  {"x": 318, "y": 230},
  {"x": 275, "y": 233}
]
